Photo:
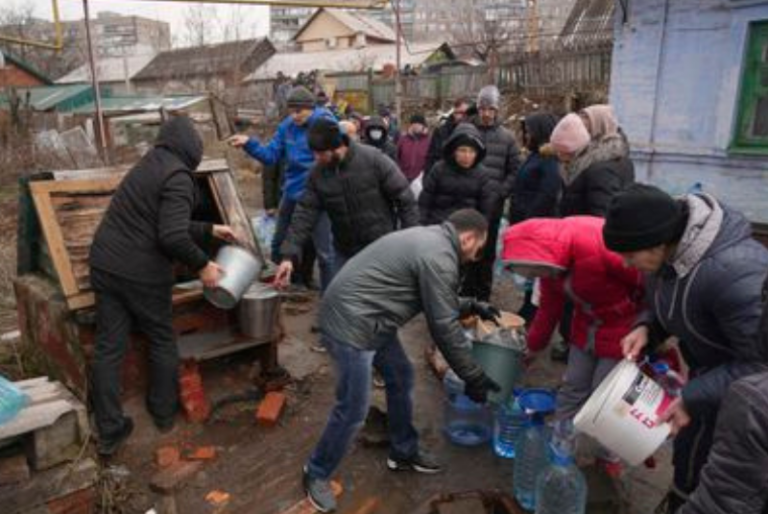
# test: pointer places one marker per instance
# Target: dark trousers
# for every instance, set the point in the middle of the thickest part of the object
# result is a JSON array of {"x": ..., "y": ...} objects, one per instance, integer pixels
[
  {"x": 690, "y": 451},
  {"x": 121, "y": 306},
  {"x": 478, "y": 276}
]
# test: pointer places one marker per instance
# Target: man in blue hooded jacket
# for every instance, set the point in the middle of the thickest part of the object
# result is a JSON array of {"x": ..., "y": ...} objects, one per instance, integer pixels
[{"x": 290, "y": 144}]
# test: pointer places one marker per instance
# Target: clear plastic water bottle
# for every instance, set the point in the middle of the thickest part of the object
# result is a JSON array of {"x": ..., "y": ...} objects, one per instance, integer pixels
[
  {"x": 466, "y": 423},
  {"x": 531, "y": 458},
  {"x": 508, "y": 426},
  {"x": 11, "y": 400},
  {"x": 561, "y": 488}
]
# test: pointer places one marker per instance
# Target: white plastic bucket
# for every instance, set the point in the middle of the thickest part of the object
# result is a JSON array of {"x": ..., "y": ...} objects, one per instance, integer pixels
[{"x": 621, "y": 414}]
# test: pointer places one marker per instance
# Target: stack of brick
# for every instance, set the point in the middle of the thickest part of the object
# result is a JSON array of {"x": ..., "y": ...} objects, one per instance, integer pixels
[{"x": 193, "y": 399}]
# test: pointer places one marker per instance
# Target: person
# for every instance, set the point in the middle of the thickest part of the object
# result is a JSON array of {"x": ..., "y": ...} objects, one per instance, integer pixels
[
  {"x": 705, "y": 275},
  {"x": 271, "y": 177},
  {"x": 376, "y": 134},
  {"x": 571, "y": 260},
  {"x": 443, "y": 132},
  {"x": 361, "y": 190},
  {"x": 290, "y": 144},
  {"x": 145, "y": 229},
  {"x": 378, "y": 291},
  {"x": 502, "y": 160},
  {"x": 595, "y": 170},
  {"x": 538, "y": 186},
  {"x": 413, "y": 146}
]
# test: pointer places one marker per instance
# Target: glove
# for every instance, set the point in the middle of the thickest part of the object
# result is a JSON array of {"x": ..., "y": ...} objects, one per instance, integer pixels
[
  {"x": 485, "y": 310},
  {"x": 477, "y": 390}
]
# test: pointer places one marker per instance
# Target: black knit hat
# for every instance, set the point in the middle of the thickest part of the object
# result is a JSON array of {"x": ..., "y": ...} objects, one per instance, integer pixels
[
  {"x": 324, "y": 134},
  {"x": 418, "y": 118},
  {"x": 643, "y": 217},
  {"x": 300, "y": 97}
]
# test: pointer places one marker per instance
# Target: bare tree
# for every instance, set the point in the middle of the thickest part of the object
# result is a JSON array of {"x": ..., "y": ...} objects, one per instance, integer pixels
[{"x": 197, "y": 25}]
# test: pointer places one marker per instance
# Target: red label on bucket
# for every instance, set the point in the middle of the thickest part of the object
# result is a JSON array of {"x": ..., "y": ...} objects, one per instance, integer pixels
[{"x": 646, "y": 400}]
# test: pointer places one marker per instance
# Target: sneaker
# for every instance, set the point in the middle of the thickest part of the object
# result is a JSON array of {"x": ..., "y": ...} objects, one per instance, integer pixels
[
  {"x": 108, "y": 447},
  {"x": 420, "y": 462},
  {"x": 319, "y": 493}
]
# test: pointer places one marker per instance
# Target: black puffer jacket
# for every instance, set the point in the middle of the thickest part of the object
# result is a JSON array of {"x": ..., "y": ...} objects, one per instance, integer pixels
[
  {"x": 147, "y": 225},
  {"x": 735, "y": 480},
  {"x": 595, "y": 176},
  {"x": 450, "y": 188},
  {"x": 710, "y": 298},
  {"x": 439, "y": 137},
  {"x": 502, "y": 159},
  {"x": 364, "y": 196},
  {"x": 384, "y": 143}
]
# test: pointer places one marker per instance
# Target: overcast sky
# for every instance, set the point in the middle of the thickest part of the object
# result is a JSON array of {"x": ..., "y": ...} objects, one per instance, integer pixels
[{"x": 254, "y": 19}]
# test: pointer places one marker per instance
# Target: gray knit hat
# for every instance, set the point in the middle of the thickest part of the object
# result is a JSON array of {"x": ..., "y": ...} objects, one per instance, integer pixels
[
  {"x": 300, "y": 97},
  {"x": 489, "y": 97}
]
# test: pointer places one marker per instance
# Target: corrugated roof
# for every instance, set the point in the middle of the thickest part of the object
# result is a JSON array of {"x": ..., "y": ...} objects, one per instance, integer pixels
[
  {"x": 27, "y": 67},
  {"x": 356, "y": 22},
  {"x": 127, "y": 104},
  {"x": 111, "y": 69},
  {"x": 204, "y": 60},
  {"x": 49, "y": 97},
  {"x": 589, "y": 24},
  {"x": 352, "y": 59}
]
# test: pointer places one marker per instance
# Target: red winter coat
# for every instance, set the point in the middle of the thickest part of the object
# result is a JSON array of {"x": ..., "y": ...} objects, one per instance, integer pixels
[
  {"x": 412, "y": 154},
  {"x": 605, "y": 293}
]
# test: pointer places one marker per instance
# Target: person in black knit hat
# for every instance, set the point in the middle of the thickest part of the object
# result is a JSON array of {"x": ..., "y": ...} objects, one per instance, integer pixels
[{"x": 704, "y": 278}]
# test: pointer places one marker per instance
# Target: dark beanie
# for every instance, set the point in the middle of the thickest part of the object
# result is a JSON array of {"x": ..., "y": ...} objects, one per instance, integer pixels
[
  {"x": 418, "y": 118},
  {"x": 642, "y": 217},
  {"x": 300, "y": 96},
  {"x": 324, "y": 134}
]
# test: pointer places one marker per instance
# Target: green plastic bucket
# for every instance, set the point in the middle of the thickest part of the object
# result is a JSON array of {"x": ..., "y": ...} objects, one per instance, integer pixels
[{"x": 500, "y": 354}]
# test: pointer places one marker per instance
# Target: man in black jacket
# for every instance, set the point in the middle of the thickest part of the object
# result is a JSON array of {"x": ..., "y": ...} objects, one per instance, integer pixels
[
  {"x": 362, "y": 190},
  {"x": 443, "y": 132},
  {"x": 146, "y": 228},
  {"x": 502, "y": 159},
  {"x": 376, "y": 134}
]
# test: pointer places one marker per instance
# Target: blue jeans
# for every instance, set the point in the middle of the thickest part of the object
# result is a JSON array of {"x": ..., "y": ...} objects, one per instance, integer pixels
[
  {"x": 353, "y": 392},
  {"x": 321, "y": 236}
]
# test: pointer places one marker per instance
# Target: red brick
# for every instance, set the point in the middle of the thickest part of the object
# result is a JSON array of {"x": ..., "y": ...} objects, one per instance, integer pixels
[
  {"x": 79, "y": 502},
  {"x": 166, "y": 456},
  {"x": 270, "y": 409},
  {"x": 202, "y": 453},
  {"x": 217, "y": 498}
]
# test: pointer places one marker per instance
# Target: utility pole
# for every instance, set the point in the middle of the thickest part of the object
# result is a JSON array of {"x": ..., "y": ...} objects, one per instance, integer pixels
[
  {"x": 95, "y": 83},
  {"x": 398, "y": 63}
]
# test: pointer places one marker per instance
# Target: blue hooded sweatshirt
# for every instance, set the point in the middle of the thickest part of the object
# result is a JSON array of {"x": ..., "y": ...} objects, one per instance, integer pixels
[{"x": 289, "y": 143}]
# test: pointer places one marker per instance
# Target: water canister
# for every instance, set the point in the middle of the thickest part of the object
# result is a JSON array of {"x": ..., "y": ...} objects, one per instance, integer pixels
[
  {"x": 531, "y": 458},
  {"x": 561, "y": 488},
  {"x": 466, "y": 423},
  {"x": 509, "y": 424}
]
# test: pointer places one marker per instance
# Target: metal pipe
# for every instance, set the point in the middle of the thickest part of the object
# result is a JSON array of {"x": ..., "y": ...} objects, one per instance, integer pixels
[
  {"x": 398, "y": 63},
  {"x": 95, "y": 83},
  {"x": 58, "y": 43}
]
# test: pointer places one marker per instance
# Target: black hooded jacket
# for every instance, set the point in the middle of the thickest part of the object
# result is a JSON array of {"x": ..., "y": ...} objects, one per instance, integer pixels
[
  {"x": 385, "y": 143},
  {"x": 147, "y": 225},
  {"x": 449, "y": 188},
  {"x": 502, "y": 159}
]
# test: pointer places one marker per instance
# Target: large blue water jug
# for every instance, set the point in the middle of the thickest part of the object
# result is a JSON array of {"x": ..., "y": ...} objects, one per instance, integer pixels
[
  {"x": 11, "y": 400},
  {"x": 466, "y": 423},
  {"x": 531, "y": 458},
  {"x": 561, "y": 488},
  {"x": 508, "y": 426}
]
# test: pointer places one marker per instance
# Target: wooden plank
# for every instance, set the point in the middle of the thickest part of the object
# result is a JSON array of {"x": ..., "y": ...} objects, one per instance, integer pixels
[
  {"x": 87, "y": 186},
  {"x": 81, "y": 301},
  {"x": 223, "y": 185}
]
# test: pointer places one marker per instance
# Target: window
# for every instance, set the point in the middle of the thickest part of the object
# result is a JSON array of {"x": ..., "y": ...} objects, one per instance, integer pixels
[{"x": 752, "y": 121}]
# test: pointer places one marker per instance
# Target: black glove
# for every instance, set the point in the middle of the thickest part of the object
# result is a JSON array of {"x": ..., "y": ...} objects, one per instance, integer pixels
[
  {"x": 477, "y": 389},
  {"x": 485, "y": 310}
]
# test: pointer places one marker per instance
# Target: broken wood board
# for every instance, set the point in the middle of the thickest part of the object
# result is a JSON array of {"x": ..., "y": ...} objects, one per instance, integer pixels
[
  {"x": 53, "y": 424},
  {"x": 231, "y": 208}
]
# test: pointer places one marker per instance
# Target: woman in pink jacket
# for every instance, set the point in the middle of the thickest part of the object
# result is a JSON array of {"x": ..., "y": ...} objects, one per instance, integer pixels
[{"x": 572, "y": 261}]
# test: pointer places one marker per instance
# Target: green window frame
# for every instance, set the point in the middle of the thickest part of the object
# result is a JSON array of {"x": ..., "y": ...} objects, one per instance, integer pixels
[{"x": 751, "y": 134}]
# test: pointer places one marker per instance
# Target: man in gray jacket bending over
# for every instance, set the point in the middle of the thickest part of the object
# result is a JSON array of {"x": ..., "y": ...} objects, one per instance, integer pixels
[{"x": 383, "y": 287}]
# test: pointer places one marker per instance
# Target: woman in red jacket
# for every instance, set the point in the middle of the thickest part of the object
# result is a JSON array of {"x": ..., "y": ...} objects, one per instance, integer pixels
[{"x": 572, "y": 261}]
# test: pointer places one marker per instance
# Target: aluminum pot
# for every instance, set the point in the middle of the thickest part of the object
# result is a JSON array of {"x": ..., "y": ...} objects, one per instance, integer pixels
[
  {"x": 258, "y": 311},
  {"x": 241, "y": 268}
]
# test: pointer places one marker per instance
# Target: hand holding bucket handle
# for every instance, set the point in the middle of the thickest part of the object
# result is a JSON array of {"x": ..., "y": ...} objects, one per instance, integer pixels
[
  {"x": 676, "y": 415},
  {"x": 225, "y": 233},
  {"x": 210, "y": 274},
  {"x": 633, "y": 343}
]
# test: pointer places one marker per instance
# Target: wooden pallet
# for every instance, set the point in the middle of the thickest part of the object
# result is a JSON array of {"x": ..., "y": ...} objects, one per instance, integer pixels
[{"x": 53, "y": 425}]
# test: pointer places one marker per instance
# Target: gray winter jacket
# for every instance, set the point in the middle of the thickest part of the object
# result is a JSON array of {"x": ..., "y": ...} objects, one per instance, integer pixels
[
  {"x": 502, "y": 158},
  {"x": 709, "y": 296},
  {"x": 735, "y": 478},
  {"x": 392, "y": 280}
]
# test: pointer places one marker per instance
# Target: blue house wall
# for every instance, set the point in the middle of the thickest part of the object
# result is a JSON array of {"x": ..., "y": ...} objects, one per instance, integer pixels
[{"x": 675, "y": 81}]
